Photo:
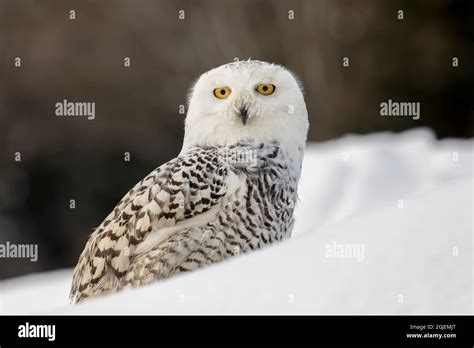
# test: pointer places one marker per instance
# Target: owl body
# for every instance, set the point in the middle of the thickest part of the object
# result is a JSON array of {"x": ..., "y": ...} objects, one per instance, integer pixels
[{"x": 227, "y": 193}]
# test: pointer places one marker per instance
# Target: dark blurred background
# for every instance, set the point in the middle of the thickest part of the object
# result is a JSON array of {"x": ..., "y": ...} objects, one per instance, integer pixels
[{"x": 137, "y": 107}]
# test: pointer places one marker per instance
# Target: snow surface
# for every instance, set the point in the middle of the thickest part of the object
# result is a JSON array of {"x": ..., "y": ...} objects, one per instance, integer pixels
[{"x": 405, "y": 200}]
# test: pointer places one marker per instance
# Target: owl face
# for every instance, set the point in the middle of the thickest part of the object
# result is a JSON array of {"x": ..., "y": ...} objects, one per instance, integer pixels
[{"x": 249, "y": 100}]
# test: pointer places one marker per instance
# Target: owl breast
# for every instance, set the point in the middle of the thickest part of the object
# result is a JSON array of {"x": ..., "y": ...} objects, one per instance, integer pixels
[{"x": 260, "y": 211}]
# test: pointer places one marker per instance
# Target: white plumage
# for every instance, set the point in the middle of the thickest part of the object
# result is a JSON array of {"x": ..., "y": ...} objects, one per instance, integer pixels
[{"x": 231, "y": 189}]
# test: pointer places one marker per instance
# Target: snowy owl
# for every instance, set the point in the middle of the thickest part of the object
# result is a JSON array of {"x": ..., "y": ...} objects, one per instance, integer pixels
[{"x": 232, "y": 188}]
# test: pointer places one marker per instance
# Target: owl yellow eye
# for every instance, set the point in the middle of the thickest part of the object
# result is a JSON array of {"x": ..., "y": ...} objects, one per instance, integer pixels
[
  {"x": 221, "y": 92},
  {"x": 266, "y": 89}
]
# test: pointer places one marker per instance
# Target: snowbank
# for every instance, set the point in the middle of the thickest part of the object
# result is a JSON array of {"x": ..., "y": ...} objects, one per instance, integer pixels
[{"x": 384, "y": 225}]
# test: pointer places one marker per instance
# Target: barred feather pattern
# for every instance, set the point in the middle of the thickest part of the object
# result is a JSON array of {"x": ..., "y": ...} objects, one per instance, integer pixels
[{"x": 202, "y": 207}]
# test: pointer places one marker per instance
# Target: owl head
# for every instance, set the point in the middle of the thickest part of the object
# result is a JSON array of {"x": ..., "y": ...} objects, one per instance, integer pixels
[{"x": 246, "y": 101}]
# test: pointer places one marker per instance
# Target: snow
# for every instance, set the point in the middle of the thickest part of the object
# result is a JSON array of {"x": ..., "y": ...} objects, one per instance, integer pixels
[{"x": 403, "y": 201}]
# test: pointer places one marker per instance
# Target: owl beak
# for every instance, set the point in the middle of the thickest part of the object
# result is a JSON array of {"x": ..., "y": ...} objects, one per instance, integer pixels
[{"x": 244, "y": 115}]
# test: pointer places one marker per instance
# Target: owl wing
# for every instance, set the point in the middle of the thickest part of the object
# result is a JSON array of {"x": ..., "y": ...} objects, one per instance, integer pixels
[{"x": 185, "y": 187}]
